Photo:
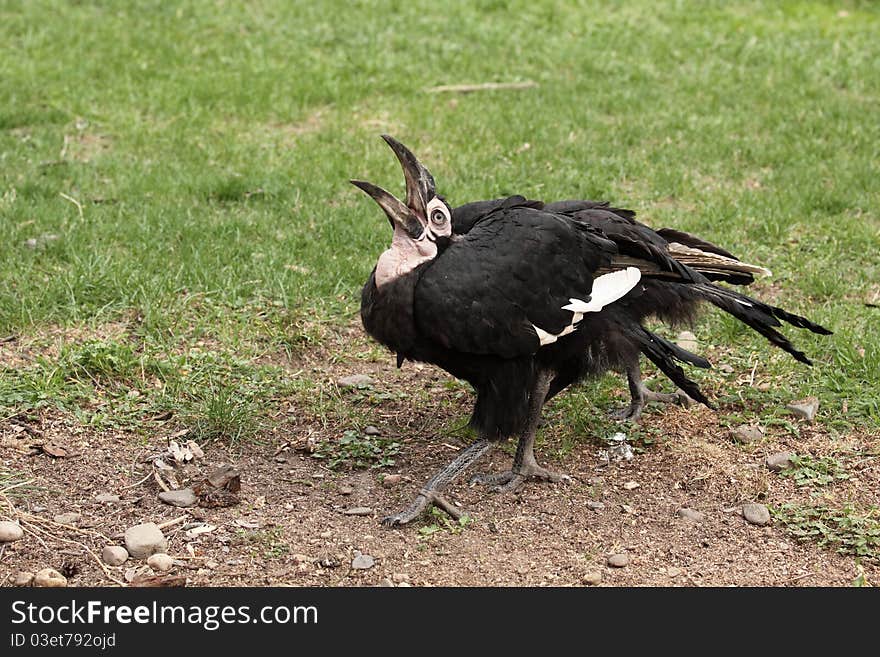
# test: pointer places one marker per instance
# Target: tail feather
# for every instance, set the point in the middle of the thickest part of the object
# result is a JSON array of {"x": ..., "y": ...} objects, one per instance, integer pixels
[
  {"x": 663, "y": 354},
  {"x": 760, "y": 316}
]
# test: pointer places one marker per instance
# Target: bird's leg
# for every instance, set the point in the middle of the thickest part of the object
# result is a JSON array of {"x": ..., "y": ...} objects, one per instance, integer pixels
[
  {"x": 430, "y": 493},
  {"x": 640, "y": 395},
  {"x": 525, "y": 466}
]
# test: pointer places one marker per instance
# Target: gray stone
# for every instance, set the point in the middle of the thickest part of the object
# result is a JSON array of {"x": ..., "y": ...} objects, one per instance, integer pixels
[
  {"x": 385, "y": 583},
  {"x": 106, "y": 498},
  {"x": 70, "y": 518},
  {"x": 690, "y": 514},
  {"x": 49, "y": 578},
  {"x": 160, "y": 562},
  {"x": 592, "y": 578},
  {"x": 756, "y": 514},
  {"x": 10, "y": 531},
  {"x": 596, "y": 506},
  {"x": 359, "y": 511},
  {"x": 355, "y": 381},
  {"x": 779, "y": 461},
  {"x": 184, "y": 497},
  {"x": 725, "y": 368},
  {"x": 362, "y": 561},
  {"x": 346, "y": 490},
  {"x": 746, "y": 434},
  {"x": 391, "y": 480},
  {"x": 618, "y": 560},
  {"x": 141, "y": 541},
  {"x": 23, "y": 578},
  {"x": 687, "y": 340},
  {"x": 804, "y": 409},
  {"x": 370, "y": 430},
  {"x": 400, "y": 578},
  {"x": 114, "y": 555}
]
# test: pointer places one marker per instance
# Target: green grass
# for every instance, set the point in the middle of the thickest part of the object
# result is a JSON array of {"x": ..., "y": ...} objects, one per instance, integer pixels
[
  {"x": 182, "y": 168},
  {"x": 847, "y": 530}
]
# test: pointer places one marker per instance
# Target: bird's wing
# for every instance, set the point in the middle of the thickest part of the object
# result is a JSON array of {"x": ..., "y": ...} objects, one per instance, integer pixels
[
  {"x": 466, "y": 216},
  {"x": 502, "y": 289}
]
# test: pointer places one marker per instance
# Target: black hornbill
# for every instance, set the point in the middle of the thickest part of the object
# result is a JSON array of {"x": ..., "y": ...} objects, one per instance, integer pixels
[
  {"x": 521, "y": 306},
  {"x": 660, "y": 294},
  {"x": 522, "y": 299}
]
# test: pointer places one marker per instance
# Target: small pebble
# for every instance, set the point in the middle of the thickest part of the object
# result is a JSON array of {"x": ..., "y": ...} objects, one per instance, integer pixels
[
  {"x": 160, "y": 562},
  {"x": 370, "y": 430},
  {"x": 404, "y": 585},
  {"x": 106, "y": 498},
  {"x": 385, "y": 583},
  {"x": 673, "y": 572},
  {"x": 595, "y": 506},
  {"x": 400, "y": 578},
  {"x": 804, "y": 409},
  {"x": 592, "y": 578},
  {"x": 346, "y": 490},
  {"x": 756, "y": 514},
  {"x": 631, "y": 485},
  {"x": 10, "y": 531},
  {"x": 690, "y": 514},
  {"x": 618, "y": 560},
  {"x": 355, "y": 381},
  {"x": 746, "y": 434},
  {"x": 49, "y": 578},
  {"x": 23, "y": 578},
  {"x": 358, "y": 511},
  {"x": 687, "y": 340},
  {"x": 70, "y": 518},
  {"x": 391, "y": 480},
  {"x": 362, "y": 561},
  {"x": 779, "y": 461},
  {"x": 184, "y": 498},
  {"x": 114, "y": 555},
  {"x": 143, "y": 540},
  {"x": 725, "y": 368}
]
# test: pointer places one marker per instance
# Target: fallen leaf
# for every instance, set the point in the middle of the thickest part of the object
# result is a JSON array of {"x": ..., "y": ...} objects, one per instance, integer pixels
[
  {"x": 55, "y": 451},
  {"x": 194, "y": 449}
]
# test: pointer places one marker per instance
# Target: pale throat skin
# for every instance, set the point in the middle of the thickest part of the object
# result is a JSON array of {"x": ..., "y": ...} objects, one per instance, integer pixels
[{"x": 404, "y": 255}]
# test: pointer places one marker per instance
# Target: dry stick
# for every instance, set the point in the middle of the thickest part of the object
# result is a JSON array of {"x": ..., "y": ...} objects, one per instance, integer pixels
[
  {"x": 138, "y": 483},
  {"x": 94, "y": 556},
  {"x": 486, "y": 86},
  {"x": 75, "y": 202},
  {"x": 171, "y": 523},
  {"x": 3, "y": 491},
  {"x": 38, "y": 520},
  {"x": 159, "y": 481}
]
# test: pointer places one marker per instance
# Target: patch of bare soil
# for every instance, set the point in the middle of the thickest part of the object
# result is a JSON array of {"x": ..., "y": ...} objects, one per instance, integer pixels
[{"x": 291, "y": 527}]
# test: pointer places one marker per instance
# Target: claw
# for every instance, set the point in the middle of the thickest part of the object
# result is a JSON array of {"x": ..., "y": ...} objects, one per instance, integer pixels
[
  {"x": 423, "y": 500},
  {"x": 511, "y": 481}
]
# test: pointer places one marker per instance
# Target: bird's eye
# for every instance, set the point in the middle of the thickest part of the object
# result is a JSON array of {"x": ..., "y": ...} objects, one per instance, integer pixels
[{"x": 438, "y": 216}]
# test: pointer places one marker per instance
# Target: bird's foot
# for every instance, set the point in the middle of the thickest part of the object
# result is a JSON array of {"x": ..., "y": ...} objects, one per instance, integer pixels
[
  {"x": 512, "y": 480},
  {"x": 633, "y": 412},
  {"x": 426, "y": 498}
]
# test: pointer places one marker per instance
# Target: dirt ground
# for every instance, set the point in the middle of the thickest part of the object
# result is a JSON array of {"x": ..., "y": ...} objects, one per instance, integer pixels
[{"x": 290, "y": 527}]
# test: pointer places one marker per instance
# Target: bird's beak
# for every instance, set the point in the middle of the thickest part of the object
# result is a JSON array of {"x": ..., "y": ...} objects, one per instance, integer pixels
[
  {"x": 420, "y": 187},
  {"x": 398, "y": 213}
]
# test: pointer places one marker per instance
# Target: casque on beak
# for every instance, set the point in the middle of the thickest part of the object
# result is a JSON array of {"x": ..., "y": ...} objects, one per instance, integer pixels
[
  {"x": 420, "y": 186},
  {"x": 411, "y": 216},
  {"x": 398, "y": 214}
]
